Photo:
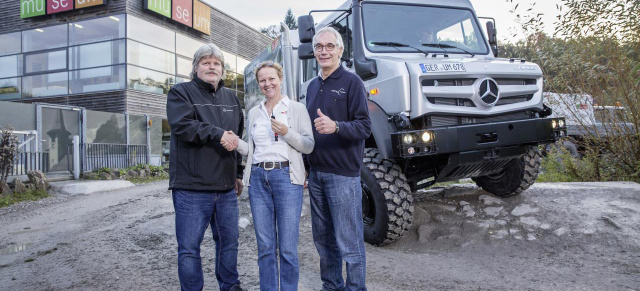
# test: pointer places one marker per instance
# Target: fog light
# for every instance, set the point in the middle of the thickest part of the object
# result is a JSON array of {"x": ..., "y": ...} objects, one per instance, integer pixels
[
  {"x": 411, "y": 150},
  {"x": 554, "y": 124},
  {"x": 561, "y": 123},
  {"x": 408, "y": 139},
  {"x": 426, "y": 136}
]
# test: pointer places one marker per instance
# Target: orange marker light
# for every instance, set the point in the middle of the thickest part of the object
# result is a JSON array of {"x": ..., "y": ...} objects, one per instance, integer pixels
[{"x": 374, "y": 91}]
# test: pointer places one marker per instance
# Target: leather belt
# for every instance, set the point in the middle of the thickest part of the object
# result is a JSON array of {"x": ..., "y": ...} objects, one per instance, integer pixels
[{"x": 272, "y": 165}]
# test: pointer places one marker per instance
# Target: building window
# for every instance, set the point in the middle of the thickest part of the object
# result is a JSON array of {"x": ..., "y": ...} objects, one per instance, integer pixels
[
  {"x": 97, "y": 55},
  {"x": 10, "y": 66},
  {"x": 185, "y": 66},
  {"x": 45, "y": 85},
  {"x": 148, "y": 80},
  {"x": 187, "y": 46},
  {"x": 45, "y": 62},
  {"x": 105, "y": 127},
  {"x": 11, "y": 43},
  {"x": 151, "y": 34},
  {"x": 95, "y": 30},
  {"x": 229, "y": 61},
  {"x": 44, "y": 38},
  {"x": 149, "y": 57},
  {"x": 10, "y": 88},
  {"x": 97, "y": 79}
]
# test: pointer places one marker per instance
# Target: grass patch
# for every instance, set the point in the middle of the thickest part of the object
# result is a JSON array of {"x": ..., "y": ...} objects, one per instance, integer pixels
[
  {"x": 28, "y": 196},
  {"x": 29, "y": 260},
  {"x": 147, "y": 180}
]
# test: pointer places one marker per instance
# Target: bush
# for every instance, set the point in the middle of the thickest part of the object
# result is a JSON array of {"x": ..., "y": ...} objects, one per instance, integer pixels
[
  {"x": 595, "y": 51},
  {"x": 8, "y": 149}
]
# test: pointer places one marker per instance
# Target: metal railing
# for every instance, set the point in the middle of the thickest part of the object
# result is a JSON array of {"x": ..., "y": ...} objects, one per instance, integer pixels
[
  {"x": 114, "y": 156},
  {"x": 30, "y": 161}
]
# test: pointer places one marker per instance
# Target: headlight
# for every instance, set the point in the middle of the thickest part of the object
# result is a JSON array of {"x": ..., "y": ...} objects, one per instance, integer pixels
[
  {"x": 426, "y": 137},
  {"x": 554, "y": 124},
  {"x": 408, "y": 139},
  {"x": 561, "y": 123}
]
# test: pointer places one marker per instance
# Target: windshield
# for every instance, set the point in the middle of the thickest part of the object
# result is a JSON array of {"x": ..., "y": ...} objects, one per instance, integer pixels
[{"x": 431, "y": 29}]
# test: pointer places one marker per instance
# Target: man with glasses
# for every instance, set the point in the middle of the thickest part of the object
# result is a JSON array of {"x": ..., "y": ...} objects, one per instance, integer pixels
[{"x": 338, "y": 105}]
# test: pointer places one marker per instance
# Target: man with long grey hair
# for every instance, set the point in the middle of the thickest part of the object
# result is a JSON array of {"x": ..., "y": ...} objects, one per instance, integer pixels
[{"x": 204, "y": 177}]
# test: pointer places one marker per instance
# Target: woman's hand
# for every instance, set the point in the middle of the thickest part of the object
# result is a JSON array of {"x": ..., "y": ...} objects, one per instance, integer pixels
[{"x": 279, "y": 127}]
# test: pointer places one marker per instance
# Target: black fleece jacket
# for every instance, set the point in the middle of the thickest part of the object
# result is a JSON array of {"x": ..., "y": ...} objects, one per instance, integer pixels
[{"x": 199, "y": 115}]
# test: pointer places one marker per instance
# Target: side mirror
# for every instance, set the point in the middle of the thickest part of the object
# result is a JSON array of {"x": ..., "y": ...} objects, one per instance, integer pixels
[
  {"x": 305, "y": 51},
  {"x": 493, "y": 38},
  {"x": 306, "y": 28}
]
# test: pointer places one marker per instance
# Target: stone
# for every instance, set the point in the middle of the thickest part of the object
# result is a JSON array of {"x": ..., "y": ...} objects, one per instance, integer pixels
[
  {"x": 18, "y": 187},
  {"x": 39, "y": 179},
  {"x": 142, "y": 173},
  {"x": 30, "y": 187},
  {"x": 468, "y": 211},
  {"x": 530, "y": 221},
  {"x": 132, "y": 174},
  {"x": 105, "y": 176},
  {"x": 447, "y": 207},
  {"x": 113, "y": 176},
  {"x": 523, "y": 209},
  {"x": 531, "y": 237},
  {"x": 499, "y": 234},
  {"x": 6, "y": 191},
  {"x": 560, "y": 231},
  {"x": 489, "y": 200},
  {"x": 464, "y": 203},
  {"x": 243, "y": 222},
  {"x": 493, "y": 211}
]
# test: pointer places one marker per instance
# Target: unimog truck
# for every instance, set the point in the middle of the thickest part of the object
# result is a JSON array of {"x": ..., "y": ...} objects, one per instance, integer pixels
[{"x": 443, "y": 106}]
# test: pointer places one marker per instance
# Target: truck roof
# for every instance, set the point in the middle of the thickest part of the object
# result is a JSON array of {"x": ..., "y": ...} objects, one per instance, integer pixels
[{"x": 447, "y": 3}]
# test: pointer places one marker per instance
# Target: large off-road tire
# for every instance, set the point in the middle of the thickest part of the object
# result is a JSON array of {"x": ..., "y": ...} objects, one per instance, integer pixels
[
  {"x": 516, "y": 177},
  {"x": 386, "y": 200}
]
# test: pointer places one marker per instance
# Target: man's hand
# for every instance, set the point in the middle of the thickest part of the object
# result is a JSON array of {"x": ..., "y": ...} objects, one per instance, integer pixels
[
  {"x": 229, "y": 140},
  {"x": 238, "y": 187},
  {"x": 324, "y": 124},
  {"x": 279, "y": 127}
]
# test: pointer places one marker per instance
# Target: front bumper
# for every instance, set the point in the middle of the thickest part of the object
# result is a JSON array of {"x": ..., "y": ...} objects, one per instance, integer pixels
[{"x": 480, "y": 137}]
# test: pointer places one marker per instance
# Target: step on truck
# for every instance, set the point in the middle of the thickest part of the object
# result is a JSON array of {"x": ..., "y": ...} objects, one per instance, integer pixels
[{"x": 443, "y": 106}]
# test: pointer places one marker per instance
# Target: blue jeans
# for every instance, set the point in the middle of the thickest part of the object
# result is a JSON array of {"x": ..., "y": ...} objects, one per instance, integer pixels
[
  {"x": 276, "y": 205},
  {"x": 336, "y": 219},
  {"x": 195, "y": 211}
]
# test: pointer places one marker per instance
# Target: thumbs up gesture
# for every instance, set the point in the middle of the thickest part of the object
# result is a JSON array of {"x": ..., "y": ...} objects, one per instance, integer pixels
[{"x": 324, "y": 124}]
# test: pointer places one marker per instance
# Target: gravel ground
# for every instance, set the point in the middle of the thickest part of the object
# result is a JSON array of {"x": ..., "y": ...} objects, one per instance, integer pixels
[{"x": 568, "y": 236}]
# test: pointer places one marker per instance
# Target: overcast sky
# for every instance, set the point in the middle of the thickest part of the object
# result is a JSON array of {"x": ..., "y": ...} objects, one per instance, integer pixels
[{"x": 261, "y": 13}]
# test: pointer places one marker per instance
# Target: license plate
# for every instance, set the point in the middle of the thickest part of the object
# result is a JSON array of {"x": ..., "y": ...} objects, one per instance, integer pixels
[{"x": 448, "y": 67}]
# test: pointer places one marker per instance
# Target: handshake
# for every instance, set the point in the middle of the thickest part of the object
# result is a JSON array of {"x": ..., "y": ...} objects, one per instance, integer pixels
[{"x": 229, "y": 140}]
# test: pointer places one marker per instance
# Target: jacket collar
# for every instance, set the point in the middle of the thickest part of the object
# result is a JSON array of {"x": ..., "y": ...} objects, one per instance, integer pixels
[
  {"x": 207, "y": 86},
  {"x": 335, "y": 75}
]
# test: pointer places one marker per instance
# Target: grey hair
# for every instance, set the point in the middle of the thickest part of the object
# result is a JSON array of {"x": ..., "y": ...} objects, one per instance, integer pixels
[
  {"x": 329, "y": 29},
  {"x": 205, "y": 51}
]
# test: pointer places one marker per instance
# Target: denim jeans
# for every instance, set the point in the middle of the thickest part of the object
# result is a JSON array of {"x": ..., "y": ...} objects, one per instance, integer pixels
[
  {"x": 276, "y": 205},
  {"x": 195, "y": 211},
  {"x": 336, "y": 219}
]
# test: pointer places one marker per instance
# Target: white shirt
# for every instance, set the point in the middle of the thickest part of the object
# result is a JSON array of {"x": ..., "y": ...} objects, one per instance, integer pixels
[{"x": 266, "y": 148}]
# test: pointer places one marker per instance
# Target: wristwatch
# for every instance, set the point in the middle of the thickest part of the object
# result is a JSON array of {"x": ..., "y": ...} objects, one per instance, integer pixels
[{"x": 337, "y": 127}]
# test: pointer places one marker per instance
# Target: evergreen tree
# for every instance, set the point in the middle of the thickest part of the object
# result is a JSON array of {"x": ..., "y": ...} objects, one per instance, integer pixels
[{"x": 290, "y": 20}]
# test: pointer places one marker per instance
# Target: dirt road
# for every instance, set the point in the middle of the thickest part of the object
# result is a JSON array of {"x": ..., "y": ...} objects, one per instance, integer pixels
[{"x": 569, "y": 236}]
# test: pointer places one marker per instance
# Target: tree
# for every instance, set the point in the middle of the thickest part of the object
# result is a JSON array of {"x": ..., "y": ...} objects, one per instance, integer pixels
[
  {"x": 290, "y": 20},
  {"x": 8, "y": 148}
]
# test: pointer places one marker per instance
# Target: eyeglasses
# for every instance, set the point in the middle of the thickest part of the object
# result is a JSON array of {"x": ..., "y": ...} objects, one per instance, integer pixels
[{"x": 329, "y": 47}]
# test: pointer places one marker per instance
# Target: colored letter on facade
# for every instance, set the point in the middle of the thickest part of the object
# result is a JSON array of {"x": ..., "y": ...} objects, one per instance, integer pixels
[
  {"x": 182, "y": 12},
  {"x": 55, "y": 6},
  {"x": 162, "y": 7},
  {"x": 31, "y": 8},
  {"x": 202, "y": 17}
]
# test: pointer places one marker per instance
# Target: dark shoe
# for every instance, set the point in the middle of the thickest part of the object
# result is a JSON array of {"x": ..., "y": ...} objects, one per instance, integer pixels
[{"x": 236, "y": 288}]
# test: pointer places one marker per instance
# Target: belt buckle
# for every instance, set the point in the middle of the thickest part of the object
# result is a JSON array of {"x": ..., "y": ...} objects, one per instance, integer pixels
[{"x": 273, "y": 166}]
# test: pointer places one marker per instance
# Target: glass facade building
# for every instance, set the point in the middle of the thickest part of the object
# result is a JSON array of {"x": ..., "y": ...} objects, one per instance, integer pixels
[{"x": 109, "y": 53}]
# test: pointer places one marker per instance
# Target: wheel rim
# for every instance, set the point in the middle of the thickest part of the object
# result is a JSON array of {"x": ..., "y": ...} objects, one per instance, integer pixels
[{"x": 368, "y": 206}]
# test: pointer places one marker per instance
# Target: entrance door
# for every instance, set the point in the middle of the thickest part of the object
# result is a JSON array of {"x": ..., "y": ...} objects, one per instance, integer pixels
[{"x": 57, "y": 127}]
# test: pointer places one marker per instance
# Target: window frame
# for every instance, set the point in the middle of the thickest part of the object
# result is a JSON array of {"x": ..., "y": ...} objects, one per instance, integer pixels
[{"x": 24, "y": 62}]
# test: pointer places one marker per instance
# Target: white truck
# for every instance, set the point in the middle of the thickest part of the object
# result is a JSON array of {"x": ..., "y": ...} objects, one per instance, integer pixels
[{"x": 443, "y": 107}]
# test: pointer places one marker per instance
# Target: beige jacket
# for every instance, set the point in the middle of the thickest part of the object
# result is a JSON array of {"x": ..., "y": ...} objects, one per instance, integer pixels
[{"x": 299, "y": 137}]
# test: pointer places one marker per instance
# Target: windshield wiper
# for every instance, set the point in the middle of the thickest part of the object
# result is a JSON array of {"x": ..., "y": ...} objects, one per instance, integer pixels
[
  {"x": 397, "y": 45},
  {"x": 442, "y": 46}
]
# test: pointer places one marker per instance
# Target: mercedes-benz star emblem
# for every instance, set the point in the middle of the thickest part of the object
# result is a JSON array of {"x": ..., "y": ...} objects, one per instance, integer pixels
[{"x": 489, "y": 92}]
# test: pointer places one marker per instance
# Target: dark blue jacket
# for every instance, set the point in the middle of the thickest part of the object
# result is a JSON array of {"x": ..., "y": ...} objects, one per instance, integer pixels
[{"x": 341, "y": 97}]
